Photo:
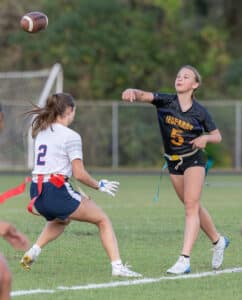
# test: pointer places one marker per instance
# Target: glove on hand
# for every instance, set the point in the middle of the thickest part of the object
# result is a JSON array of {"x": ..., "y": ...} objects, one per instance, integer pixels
[{"x": 109, "y": 187}]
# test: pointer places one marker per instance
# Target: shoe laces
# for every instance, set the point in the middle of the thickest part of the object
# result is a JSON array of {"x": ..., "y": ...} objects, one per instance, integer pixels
[
  {"x": 127, "y": 266},
  {"x": 218, "y": 247}
]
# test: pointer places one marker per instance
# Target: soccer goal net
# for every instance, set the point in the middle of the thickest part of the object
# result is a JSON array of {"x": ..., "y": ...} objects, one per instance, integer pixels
[{"x": 17, "y": 91}]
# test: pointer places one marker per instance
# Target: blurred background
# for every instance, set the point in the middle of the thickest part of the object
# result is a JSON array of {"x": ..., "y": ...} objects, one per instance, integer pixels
[{"x": 105, "y": 46}]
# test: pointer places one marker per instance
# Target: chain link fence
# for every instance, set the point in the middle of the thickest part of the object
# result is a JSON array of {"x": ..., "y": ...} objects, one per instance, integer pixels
[
  {"x": 116, "y": 134},
  {"x": 119, "y": 135}
]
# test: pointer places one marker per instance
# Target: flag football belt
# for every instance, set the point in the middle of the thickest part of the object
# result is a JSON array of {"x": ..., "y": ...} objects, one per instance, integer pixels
[
  {"x": 179, "y": 157},
  {"x": 49, "y": 178},
  {"x": 57, "y": 180}
]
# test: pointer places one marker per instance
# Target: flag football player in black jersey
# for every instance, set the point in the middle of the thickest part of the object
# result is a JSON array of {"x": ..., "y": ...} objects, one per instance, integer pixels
[{"x": 186, "y": 128}]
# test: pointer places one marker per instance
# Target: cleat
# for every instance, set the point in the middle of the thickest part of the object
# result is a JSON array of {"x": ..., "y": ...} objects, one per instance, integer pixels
[
  {"x": 182, "y": 266},
  {"x": 28, "y": 259},
  {"x": 124, "y": 271},
  {"x": 218, "y": 252},
  {"x": 26, "y": 262}
]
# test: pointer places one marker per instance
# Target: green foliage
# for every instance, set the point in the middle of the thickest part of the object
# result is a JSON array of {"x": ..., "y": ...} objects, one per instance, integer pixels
[
  {"x": 233, "y": 78},
  {"x": 171, "y": 8},
  {"x": 138, "y": 139},
  {"x": 218, "y": 155},
  {"x": 106, "y": 46}
]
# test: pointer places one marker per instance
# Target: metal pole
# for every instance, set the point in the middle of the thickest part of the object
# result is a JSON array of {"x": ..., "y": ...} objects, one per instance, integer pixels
[
  {"x": 238, "y": 136},
  {"x": 115, "y": 138}
]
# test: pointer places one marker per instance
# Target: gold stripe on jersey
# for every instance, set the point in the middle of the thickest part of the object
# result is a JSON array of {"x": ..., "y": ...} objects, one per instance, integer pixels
[{"x": 175, "y": 121}]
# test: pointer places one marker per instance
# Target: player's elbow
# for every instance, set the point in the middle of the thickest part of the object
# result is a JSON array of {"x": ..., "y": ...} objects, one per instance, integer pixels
[
  {"x": 215, "y": 136},
  {"x": 219, "y": 138},
  {"x": 78, "y": 175}
]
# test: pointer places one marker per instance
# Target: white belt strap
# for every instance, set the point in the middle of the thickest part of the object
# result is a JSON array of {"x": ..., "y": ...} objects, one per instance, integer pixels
[
  {"x": 46, "y": 178},
  {"x": 179, "y": 157}
]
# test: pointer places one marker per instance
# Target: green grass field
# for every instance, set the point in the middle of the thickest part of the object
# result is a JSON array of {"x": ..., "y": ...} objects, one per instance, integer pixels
[{"x": 150, "y": 238}]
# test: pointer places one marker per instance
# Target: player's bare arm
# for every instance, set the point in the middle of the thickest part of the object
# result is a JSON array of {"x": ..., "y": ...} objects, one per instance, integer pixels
[
  {"x": 130, "y": 95},
  {"x": 15, "y": 238},
  {"x": 80, "y": 173},
  {"x": 212, "y": 137},
  {"x": 104, "y": 185},
  {"x": 4, "y": 228}
]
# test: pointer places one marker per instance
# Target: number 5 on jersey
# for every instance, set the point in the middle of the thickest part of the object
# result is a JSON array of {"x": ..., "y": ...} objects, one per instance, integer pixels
[{"x": 176, "y": 137}]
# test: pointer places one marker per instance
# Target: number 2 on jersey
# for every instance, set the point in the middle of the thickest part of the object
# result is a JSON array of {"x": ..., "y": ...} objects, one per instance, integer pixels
[
  {"x": 41, "y": 155},
  {"x": 176, "y": 137}
]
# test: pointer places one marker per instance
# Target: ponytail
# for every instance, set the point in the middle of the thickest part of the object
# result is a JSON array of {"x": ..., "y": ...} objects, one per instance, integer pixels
[{"x": 55, "y": 106}]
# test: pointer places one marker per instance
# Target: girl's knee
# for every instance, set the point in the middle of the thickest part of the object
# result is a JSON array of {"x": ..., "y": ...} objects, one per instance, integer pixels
[
  {"x": 104, "y": 221},
  {"x": 192, "y": 207},
  {"x": 62, "y": 222}
]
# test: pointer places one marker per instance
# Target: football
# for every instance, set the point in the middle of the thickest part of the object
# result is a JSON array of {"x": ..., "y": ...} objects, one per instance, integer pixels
[{"x": 34, "y": 21}]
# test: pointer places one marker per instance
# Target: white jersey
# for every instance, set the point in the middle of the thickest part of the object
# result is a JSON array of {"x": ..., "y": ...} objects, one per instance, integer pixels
[{"x": 54, "y": 150}]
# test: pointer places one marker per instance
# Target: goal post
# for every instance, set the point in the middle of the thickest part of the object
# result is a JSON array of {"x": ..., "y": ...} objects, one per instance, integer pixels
[{"x": 55, "y": 79}]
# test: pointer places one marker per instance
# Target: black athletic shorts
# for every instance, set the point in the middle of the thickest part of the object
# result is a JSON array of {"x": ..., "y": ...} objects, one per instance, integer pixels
[{"x": 197, "y": 159}]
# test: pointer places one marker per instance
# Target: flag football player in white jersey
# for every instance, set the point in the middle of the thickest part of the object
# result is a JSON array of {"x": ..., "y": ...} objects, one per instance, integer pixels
[{"x": 58, "y": 156}]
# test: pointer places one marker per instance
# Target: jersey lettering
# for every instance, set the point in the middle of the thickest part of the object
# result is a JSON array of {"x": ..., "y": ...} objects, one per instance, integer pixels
[
  {"x": 178, "y": 128},
  {"x": 181, "y": 123},
  {"x": 176, "y": 137},
  {"x": 41, "y": 155}
]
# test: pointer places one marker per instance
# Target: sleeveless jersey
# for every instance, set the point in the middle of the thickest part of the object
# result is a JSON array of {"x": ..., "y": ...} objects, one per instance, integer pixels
[
  {"x": 54, "y": 150},
  {"x": 178, "y": 128}
]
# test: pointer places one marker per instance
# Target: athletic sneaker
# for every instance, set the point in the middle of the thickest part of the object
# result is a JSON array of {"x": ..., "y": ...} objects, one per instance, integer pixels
[
  {"x": 29, "y": 258},
  {"x": 124, "y": 271},
  {"x": 182, "y": 266},
  {"x": 218, "y": 252}
]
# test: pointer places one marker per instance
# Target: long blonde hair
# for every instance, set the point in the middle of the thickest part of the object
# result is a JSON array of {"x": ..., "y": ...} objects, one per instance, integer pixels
[{"x": 45, "y": 116}]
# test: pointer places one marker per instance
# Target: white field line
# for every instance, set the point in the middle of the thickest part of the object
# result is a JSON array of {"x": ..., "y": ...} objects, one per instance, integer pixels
[
  {"x": 223, "y": 184},
  {"x": 93, "y": 286}
]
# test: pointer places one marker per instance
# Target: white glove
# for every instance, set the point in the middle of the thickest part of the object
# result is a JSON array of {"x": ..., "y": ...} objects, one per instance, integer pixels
[{"x": 109, "y": 187}]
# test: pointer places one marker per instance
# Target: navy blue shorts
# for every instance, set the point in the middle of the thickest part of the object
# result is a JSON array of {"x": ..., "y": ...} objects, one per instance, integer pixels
[
  {"x": 55, "y": 202},
  {"x": 195, "y": 160}
]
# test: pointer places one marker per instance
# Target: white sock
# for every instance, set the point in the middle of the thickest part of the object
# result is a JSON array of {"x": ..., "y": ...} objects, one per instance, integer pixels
[
  {"x": 36, "y": 249},
  {"x": 117, "y": 262}
]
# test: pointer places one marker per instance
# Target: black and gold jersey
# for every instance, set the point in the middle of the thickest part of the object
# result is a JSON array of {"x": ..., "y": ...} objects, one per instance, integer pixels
[{"x": 178, "y": 128}]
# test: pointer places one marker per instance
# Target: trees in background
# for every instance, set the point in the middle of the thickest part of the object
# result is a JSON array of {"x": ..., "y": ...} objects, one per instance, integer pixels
[{"x": 106, "y": 46}]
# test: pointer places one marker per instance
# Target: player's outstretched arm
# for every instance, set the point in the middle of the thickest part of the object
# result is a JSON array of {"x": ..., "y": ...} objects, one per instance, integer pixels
[
  {"x": 130, "y": 95},
  {"x": 15, "y": 238},
  {"x": 81, "y": 174}
]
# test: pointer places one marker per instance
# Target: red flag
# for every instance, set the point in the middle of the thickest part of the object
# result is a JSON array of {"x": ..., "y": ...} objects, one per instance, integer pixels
[{"x": 14, "y": 191}]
